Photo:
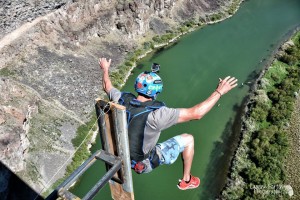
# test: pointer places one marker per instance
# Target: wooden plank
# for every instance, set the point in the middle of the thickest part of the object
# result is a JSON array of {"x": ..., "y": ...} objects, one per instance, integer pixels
[
  {"x": 114, "y": 105},
  {"x": 114, "y": 136},
  {"x": 117, "y": 192}
]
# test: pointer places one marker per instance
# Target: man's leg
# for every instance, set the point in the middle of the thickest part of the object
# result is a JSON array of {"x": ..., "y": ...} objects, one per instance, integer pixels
[
  {"x": 171, "y": 149},
  {"x": 188, "y": 181},
  {"x": 187, "y": 155}
]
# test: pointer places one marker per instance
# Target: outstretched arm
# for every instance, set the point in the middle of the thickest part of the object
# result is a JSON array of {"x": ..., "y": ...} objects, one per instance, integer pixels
[
  {"x": 104, "y": 65},
  {"x": 199, "y": 110}
]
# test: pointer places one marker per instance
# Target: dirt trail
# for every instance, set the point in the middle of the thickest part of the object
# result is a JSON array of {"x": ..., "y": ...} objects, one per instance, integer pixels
[
  {"x": 293, "y": 158},
  {"x": 9, "y": 38}
]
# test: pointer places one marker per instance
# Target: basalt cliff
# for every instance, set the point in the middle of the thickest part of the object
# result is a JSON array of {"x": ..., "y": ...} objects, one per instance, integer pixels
[{"x": 49, "y": 75}]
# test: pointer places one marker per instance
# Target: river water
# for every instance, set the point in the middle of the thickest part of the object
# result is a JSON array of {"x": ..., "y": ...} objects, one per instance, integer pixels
[{"x": 240, "y": 46}]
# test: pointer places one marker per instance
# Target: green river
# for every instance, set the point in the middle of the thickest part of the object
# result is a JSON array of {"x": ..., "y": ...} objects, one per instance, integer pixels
[{"x": 240, "y": 46}]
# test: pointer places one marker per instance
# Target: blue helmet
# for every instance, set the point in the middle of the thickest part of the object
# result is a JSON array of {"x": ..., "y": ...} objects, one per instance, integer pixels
[{"x": 148, "y": 84}]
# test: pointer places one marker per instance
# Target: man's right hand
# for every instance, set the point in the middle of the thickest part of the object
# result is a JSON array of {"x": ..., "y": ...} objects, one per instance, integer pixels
[
  {"x": 104, "y": 64},
  {"x": 199, "y": 110},
  {"x": 226, "y": 84}
]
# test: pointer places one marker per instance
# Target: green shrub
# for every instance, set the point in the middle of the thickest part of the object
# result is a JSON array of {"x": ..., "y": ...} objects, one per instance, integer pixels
[
  {"x": 167, "y": 37},
  {"x": 157, "y": 39},
  {"x": 190, "y": 23},
  {"x": 288, "y": 59},
  {"x": 259, "y": 114},
  {"x": 215, "y": 17},
  {"x": 147, "y": 45},
  {"x": 128, "y": 63},
  {"x": 183, "y": 29},
  {"x": 6, "y": 72},
  {"x": 138, "y": 52},
  {"x": 82, "y": 131}
]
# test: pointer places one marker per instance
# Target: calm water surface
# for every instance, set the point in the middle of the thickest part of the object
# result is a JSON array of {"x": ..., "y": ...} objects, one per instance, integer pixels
[{"x": 240, "y": 47}]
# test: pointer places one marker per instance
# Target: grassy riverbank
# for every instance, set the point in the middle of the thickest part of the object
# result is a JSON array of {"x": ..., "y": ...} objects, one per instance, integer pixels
[{"x": 259, "y": 167}]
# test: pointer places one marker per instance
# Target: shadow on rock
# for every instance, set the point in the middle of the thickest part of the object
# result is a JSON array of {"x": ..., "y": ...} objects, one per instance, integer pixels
[{"x": 14, "y": 188}]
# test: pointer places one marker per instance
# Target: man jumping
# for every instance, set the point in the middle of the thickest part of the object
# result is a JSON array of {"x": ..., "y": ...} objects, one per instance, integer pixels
[{"x": 147, "y": 117}]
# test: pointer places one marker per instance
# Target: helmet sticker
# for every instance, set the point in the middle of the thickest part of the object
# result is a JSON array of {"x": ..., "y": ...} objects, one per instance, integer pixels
[
  {"x": 139, "y": 85},
  {"x": 155, "y": 87},
  {"x": 142, "y": 78},
  {"x": 149, "y": 79}
]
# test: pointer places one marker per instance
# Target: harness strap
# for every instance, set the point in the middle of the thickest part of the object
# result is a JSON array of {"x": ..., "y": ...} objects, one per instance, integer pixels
[{"x": 154, "y": 158}]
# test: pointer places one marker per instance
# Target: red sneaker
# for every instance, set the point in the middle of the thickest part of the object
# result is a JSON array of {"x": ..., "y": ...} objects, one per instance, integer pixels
[{"x": 194, "y": 183}]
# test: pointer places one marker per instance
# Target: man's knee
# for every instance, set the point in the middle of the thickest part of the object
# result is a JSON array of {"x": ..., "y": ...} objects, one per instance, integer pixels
[{"x": 188, "y": 139}]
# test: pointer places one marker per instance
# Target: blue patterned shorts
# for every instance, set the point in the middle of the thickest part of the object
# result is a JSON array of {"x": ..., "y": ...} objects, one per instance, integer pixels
[{"x": 170, "y": 150}]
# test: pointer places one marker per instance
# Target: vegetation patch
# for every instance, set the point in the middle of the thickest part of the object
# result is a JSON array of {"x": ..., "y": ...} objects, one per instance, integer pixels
[
  {"x": 234, "y": 6},
  {"x": 258, "y": 170},
  {"x": 6, "y": 72},
  {"x": 215, "y": 17},
  {"x": 80, "y": 143}
]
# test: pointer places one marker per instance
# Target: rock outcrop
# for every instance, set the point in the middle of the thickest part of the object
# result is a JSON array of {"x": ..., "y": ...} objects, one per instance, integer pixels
[{"x": 49, "y": 72}]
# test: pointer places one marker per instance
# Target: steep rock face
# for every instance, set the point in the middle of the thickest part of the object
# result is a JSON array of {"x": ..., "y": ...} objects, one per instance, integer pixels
[
  {"x": 15, "y": 12},
  {"x": 134, "y": 18},
  {"x": 49, "y": 72},
  {"x": 14, "y": 130}
]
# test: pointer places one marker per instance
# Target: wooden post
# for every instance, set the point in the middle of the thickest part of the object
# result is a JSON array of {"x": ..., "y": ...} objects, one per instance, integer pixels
[{"x": 114, "y": 138}]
